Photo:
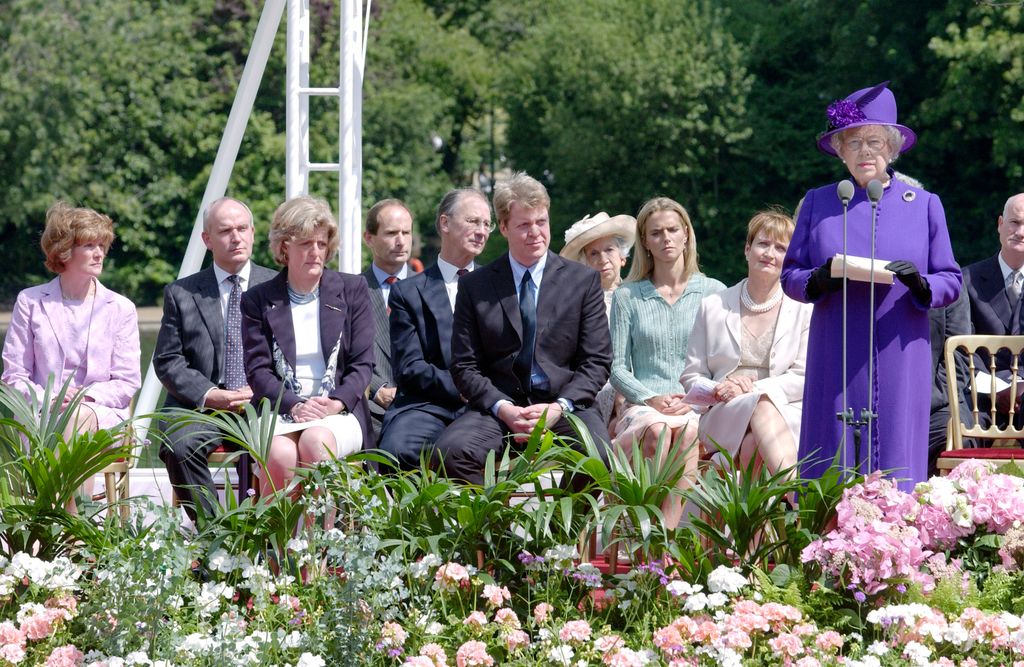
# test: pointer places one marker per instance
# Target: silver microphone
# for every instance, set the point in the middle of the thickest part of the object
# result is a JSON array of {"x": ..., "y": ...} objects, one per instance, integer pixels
[
  {"x": 845, "y": 191},
  {"x": 874, "y": 190}
]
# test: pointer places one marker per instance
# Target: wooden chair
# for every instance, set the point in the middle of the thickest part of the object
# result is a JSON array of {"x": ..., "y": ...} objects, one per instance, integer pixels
[
  {"x": 1005, "y": 445},
  {"x": 116, "y": 476}
]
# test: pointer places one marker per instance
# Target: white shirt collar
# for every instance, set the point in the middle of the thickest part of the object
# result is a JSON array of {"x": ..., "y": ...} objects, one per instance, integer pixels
[
  {"x": 449, "y": 270},
  {"x": 222, "y": 275},
  {"x": 1005, "y": 268}
]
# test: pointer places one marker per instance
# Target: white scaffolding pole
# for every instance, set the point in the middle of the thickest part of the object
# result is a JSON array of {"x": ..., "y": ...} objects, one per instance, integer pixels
[
  {"x": 298, "y": 165},
  {"x": 216, "y": 186}
]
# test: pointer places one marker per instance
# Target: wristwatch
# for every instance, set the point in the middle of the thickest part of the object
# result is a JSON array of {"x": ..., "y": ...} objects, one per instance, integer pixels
[{"x": 566, "y": 405}]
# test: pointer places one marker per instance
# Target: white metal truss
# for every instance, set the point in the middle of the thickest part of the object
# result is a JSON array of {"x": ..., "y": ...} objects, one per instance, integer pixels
[{"x": 297, "y": 165}]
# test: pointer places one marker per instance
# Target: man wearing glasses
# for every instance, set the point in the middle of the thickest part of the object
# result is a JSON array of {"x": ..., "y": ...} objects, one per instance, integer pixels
[{"x": 421, "y": 331}]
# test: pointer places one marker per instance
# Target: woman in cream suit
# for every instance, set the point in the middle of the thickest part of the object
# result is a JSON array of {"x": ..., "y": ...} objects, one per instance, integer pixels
[{"x": 751, "y": 341}]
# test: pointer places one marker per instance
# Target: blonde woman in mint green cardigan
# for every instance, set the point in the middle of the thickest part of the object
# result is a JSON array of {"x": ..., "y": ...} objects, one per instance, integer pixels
[{"x": 652, "y": 314}]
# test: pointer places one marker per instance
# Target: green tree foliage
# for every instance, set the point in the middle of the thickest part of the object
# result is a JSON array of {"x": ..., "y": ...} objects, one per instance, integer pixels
[{"x": 614, "y": 102}]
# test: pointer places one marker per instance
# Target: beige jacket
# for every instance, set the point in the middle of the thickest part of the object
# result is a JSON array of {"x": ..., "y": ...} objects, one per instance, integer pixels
[{"x": 714, "y": 346}]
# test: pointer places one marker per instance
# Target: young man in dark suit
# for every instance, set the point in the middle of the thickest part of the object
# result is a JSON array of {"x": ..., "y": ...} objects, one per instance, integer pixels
[
  {"x": 421, "y": 331},
  {"x": 388, "y": 234},
  {"x": 197, "y": 356},
  {"x": 530, "y": 337}
]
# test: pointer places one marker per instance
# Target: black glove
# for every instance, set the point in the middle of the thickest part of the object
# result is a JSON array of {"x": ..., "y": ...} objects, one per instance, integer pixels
[
  {"x": 908, "y": 274},
  {"x": 821, "y": 282}
]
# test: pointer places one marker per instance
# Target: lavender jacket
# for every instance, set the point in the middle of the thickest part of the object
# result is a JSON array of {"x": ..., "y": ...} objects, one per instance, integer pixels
[{"x": 34, "y": 347}]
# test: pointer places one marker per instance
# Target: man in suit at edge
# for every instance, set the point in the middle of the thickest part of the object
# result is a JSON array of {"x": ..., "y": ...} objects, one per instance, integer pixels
[
  {"x": 388, "y": 234},
  {"x": 421, "y": 330},
  {"x": 530, "y": 335},
  {"x": 192, "y": 346},
  {"x": 994, "y": 287}
]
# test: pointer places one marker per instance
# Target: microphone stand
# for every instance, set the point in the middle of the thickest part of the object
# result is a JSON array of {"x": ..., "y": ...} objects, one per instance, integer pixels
[
  {"x": 844, "y": 192},
  {"x": 868, "y": 415}
]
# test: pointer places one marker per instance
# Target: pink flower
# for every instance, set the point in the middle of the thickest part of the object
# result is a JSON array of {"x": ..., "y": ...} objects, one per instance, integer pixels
[
  {"x": 64, "y": 602},
  {"x": 418, "y": 661},
  {"x": 435, "y": 653},
  {"x": 476, "y": 620},
  {"x": 507, "y": 618},
  {"x": 473, "y": 654},
  {"x": 12, "y": 653},
  {"x": 515, "y": 640},
  {"x": 9, "y": 634},
  {"x": 575, "y": 632},
  {"x": 625, "y": 657},
  {"x": 41, "y": 625},
  {"x": 787, "y": 644},
  {"x": 737, "y": 639},
  {"x": 392, "y": 635},
  {"x": 541, "y": 611},
  {"x": 450, "y": 577},
  {"x": 65, "y": 656},
  {"x": 496, "y": 596},
  {"x": 808, "y": 661},
  {"x": 608, "y": 643},
  {"x": 830, "y": 640}
]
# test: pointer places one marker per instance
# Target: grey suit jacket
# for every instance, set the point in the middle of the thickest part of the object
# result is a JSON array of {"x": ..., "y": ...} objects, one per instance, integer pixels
[
  {"x": 189, "y": 353},
  {"x": 382, "y": 371}
]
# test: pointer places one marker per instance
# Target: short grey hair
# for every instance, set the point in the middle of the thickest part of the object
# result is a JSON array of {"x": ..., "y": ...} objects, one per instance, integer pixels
[
  {"x": 893, "y": 137},
  {"x": 451, "y": 201},
  {"x": 208, "y": 213},
  {"x": 624, "y": 246}
]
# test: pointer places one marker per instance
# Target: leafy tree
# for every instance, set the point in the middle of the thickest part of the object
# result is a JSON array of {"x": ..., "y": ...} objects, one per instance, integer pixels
[{"x": 613, "y": 102}]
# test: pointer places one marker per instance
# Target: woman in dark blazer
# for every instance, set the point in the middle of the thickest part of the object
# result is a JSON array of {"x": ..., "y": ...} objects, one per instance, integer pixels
[{"x": 308, "y": 336}]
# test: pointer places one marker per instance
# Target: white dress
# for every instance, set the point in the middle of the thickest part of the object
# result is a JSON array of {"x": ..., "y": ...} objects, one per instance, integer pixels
[{"x": 309, "y": 370}]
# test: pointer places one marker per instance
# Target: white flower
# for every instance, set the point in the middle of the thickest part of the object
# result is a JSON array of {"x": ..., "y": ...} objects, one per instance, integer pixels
[
  {"x": 696, "y": 602},
  {"x": 717, "y": 600},
  {"x": 7, "y": 584},
  {"x": 138, "y": 658},
  {"x": 196, "y": 644},
  {"x": 222, "y": 561},
  {"x": 868, "y": 661},
  {"x": 434, "y": 628},
  {"x": 561, "y": 655},
  {"x": 955, "y": 634},
  {"x": 878, "y": 648},
  {"x": 917, "y": 654},
  {"x": 561, "y": 552},
  {"x": 310, "y": 660},
  {"x": 544, "y": 635},
  {"x": 726, "y": 580},
  {"x": 293, "y": 640},
  {"x": 297, "y": 544},
  {"x": 677, "y": 588}
]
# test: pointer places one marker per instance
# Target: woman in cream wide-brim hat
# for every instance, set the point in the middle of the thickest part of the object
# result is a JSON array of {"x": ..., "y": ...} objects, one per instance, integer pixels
[{"x": 602, "y": 243}]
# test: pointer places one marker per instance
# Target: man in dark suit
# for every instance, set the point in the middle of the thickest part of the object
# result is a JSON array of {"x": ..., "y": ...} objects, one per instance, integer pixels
[
  {"x": 994, "y": 287},
  {"x": 421, "y": 330},
  {"x": 530, "y": 336},
  {"x": 388, "y": 234},
  {"x": 196, "y": 357}
]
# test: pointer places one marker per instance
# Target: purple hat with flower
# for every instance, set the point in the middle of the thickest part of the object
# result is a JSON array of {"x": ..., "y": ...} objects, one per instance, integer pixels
[{"x": 869, "y": 106}]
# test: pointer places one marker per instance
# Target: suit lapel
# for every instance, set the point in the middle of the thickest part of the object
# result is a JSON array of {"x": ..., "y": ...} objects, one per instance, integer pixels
[
  {"x": 54, "y": 310},
  {"x": 435, "y": 300},
  {"x": 733, "y": 321},
  {"x": 279, "y": 316},
  {"x": 504, "y": 286},
  {"x": 995, "y": 286},
  {"x": 207, "y": 301},
  {"x": 332, "y": 313},
  {"x": 382, "y": 333},
  {"x": 97, "y": 354},
  {"x": 547, "y": 299},
  {"x": 787, "y": 315}
]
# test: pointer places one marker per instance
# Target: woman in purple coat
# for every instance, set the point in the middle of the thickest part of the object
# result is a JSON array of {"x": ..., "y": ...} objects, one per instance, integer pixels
[{"x": 912, "y": 241}]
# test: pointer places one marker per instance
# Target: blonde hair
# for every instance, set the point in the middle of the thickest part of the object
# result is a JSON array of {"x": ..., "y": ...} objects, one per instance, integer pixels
[
  {"x": 520, "y": 188},
  {"x": 68, "y": 226},
  {"x": 776, "y": 225},
  {"x": 643, "y": 265},
  {"x": 299, "y": 218}
]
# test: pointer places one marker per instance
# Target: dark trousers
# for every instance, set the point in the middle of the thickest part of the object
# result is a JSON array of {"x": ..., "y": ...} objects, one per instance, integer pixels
[
  {"x": 185, "y": 451},
  {"x": 408, "y": 433},
  {"x": 464, "y": 446}
]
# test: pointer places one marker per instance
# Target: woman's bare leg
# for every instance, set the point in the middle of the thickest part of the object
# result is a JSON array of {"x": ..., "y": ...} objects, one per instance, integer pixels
[
  {"x": 282, "y": 460},
  {"x": 775, "y": 443},
  {"x": 83, "y": 421}
]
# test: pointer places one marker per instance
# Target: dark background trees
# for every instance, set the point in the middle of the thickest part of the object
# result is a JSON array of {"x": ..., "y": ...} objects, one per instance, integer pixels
[{"x": 120, "y": 106}]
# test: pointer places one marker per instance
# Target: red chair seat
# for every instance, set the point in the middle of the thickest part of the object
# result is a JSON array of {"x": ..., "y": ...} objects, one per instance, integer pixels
[{"x": 989, "y": 453}]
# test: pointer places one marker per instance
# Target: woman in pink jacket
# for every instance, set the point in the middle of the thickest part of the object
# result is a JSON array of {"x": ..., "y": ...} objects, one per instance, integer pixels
[{"x": 73, "y": 327}]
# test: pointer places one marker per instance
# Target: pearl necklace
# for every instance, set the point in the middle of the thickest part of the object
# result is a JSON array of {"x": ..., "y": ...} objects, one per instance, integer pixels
[{"x": 755, "y": 307}]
